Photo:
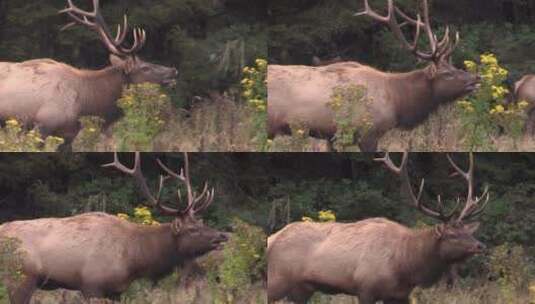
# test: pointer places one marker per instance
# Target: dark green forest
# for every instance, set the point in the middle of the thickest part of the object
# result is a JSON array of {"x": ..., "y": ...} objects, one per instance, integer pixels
[
  {"x": 208, "y": 41},
  {"x": 300, "y": 30}
]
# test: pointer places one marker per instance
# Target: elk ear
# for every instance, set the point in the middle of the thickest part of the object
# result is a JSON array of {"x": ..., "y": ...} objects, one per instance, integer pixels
[
  {"x": 116, "y": 60},
  {"x": 472, "y": 227},
  {"x": 177, "y": 225},
  {"x": 439, "y": 231},
  {"x": 431, "y": 71}
]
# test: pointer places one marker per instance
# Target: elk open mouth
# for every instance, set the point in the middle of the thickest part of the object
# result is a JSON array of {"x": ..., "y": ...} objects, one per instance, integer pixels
[
  {"x": 170, "y": 83},
  {"x": 473, "y": 86},
  {"x": 219, "y": 243}
]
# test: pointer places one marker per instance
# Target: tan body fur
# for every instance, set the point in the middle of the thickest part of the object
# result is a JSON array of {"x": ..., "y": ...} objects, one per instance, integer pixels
[
  {"x": 301, "y": 94},
  {"x": 95, "y": 253},
  {"x": 55, "y": 95},
  {"x": 374, "y": 259}
]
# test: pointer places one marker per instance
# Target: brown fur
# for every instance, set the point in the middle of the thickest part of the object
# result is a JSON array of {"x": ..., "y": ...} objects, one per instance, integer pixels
[
  {"x": 300, "y": 94},
  {"x": 525, "y": 91},
  {"x": 374, "y": 259},
  {"x": 100, "y": 254}
]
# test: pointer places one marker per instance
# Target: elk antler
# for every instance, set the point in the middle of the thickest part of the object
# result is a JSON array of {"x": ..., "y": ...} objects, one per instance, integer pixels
[
  {"x": 439, "y": 50},
  {"x": 195, "y": 202},
  {"x": 402, "y": 171},
  {"x": 114, "y": 45},
  {"x": 472, "y": 207}
]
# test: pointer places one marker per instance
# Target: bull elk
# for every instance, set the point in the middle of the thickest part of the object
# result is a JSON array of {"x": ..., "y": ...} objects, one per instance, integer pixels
[
  {"x": 100, "y": 254},
  {"x": 52, "y": 95},
  {"x": 374, "y": 259},
  {"x": 302, "y": 94}
]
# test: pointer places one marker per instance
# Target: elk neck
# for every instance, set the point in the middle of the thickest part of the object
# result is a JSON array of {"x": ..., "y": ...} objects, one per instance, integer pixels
[
  {"x": 99, "y": 91},
  {"x": 422, "y": 265},
  {"x": 413, "y": 97},
  {"x": 155, "y": 252}
]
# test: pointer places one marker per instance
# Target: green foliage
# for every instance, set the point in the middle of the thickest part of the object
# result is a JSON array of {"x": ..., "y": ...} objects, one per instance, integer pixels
[
  {"x": 244, "y": 262},
  {"x": 142, "y": 215},
  {"x": 254, "y": 86},
  {"x": 89, "y": 136},
  {"x": 144, "y": 107},
  {"x": 13, "y": 138},
  {"x": 324, "y": 216},
  {"x": 508, "y": 264},
  {"x": 483, "y": 113},
  {"x": 11, "y": 262},
  {"x": 351, "y": 115}
]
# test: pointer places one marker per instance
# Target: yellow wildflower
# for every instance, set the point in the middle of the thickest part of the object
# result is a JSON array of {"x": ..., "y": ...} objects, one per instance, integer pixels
[
  {"x": 523, "y": 104},
  {"x": 12, "y": 123}
]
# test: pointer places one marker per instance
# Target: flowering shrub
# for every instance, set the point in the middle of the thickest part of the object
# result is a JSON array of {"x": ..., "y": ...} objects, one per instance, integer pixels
[
  {"x": 254, "y": 91},
  {"x": 13, "y": 138},
  {"x": 142, "y": 215},
  {"x": 484, "y": 112},
  {"x": 144, "y": 106},
  {"x": 244, "y": 262},
  {"x": 324, "y": 216},
  {"x": 11, "y": 260},
  {"x": 350, "y": 114},
  {"x": 88, "y": 137}
]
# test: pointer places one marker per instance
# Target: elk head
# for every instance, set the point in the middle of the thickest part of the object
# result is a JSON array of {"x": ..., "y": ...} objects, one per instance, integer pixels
[
  {"x": 447, "y": 82},
  {"x": 192, "y": 236},
  {"x": 134, "y": 68},
  {"x": 454, "y": 234}
]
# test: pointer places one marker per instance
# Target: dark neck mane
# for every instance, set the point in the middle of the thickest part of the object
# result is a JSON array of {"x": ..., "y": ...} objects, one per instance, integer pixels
[
  {"x": 416, "y": 101},
  {"x": 99, "y": 90},
  {"x": 422, "y": 263},
  {"x": 156, "y": 253}
]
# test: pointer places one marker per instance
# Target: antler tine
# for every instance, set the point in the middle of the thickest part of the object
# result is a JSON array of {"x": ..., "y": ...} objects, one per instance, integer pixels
[
  {"x": 195, "y": 202},
  {"x": 395, "y": 27},
  {"x": 113, "y": 43},
  {"x": 142, "y": 183},
  {"x": 368, "y": 11},
  {"x": 402, "y": 171},
  {"x": 472, "y": 207}
]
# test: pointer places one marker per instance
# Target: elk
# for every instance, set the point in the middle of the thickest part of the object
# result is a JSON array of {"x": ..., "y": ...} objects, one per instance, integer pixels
[
  {"x": 100, "y": 254},
  {"x": 374, "y": 259},
  {"x": 52, "y": 96},
  {"x": 302, "y": 94},
  {"x": 524, "y": 90}
]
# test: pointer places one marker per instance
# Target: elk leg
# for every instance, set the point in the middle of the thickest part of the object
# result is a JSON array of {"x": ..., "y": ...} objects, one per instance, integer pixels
[
  {"x": 367, "y": 299},
  {"x": 370, "y": 141},
  {"x": 530, "y": 123},
  {"x": 21, "y": 292},
  {"x": 300, "y": 294}
]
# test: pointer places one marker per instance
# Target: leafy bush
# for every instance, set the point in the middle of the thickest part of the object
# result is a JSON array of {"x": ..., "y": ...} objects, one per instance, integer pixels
[
  {"x": 89, "y": 136},
  {"x": 351, "y": 115},
  {"x": 244, "y": 262},
  {"x": 508, "y": 265},
  {"x": 483, "y": 113},
  {"x": 255, "y": 93},
  {"x": 324, "y": 216},
  {"x": 11, "y": 259},
  {"x": 142, "y": 215},
  {"x": 144, "y": 107},
  {"x": 13, "y": 138}
]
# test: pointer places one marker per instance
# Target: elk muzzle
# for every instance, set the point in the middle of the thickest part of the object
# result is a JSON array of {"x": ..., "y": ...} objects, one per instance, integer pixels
[{"x": 219, "y": 241}]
